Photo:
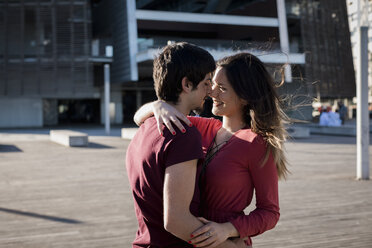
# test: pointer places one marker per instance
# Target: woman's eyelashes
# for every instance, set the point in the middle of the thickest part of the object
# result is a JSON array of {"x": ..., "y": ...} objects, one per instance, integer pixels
[
  {"x": 219, "y": 86},
  {"x": 222, "y": 88}
]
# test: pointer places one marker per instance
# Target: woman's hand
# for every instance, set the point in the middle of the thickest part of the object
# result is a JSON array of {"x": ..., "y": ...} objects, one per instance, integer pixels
[
  {"x": 167, "y": 114},
  {"x": 211, "y": 234}
]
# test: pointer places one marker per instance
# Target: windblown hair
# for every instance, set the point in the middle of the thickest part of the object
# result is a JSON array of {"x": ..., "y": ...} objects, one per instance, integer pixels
[
  {"x": 176, "y": 61},
  {"x": 252, "y": 82}
]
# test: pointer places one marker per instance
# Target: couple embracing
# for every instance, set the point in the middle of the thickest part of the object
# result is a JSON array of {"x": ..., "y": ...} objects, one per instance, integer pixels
[{"x": 190, "y": 184}]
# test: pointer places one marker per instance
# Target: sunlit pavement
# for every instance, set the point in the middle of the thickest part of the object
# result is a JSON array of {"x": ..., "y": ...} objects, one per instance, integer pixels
[{"x": 56, "y": 196}]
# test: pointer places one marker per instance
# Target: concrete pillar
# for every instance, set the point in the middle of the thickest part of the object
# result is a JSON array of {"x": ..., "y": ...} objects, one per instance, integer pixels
[
  {"x": 133, "y": 36},
  {"x": 116, "y": 104},
  {"x": 283, "y": 35},
  {"x": 107, "y": 97},
  {"x": 115, "y": 107}
]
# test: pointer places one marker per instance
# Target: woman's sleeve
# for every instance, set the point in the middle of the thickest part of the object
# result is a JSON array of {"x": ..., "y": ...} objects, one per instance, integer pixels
[
  {"x": 265, "y": 182},
  {"x": 205, "y": 125}
]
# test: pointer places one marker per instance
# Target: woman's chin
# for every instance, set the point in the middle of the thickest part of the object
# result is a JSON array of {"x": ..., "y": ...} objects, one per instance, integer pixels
[{"x": 216, "y": 112}]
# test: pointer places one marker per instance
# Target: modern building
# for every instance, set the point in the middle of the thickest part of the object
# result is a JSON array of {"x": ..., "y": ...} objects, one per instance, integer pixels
[
  {"x": 47, "y": 64},
  {"x": 52, "y": 52},
  {"x": 326, "y": 41},
  {"x": 352, "y": 7},
  {"x": 221, "y": 27}
]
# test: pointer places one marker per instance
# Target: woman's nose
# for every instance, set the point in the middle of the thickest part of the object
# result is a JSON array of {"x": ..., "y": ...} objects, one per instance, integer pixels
[{"x": 213, "y": 92}]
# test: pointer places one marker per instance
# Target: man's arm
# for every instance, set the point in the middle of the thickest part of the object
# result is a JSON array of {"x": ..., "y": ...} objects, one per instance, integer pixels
[{"x": 179, "y": 183}]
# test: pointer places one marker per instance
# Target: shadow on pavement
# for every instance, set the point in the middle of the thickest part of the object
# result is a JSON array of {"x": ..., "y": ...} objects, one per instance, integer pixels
[
  {"x": 9, "y": 148},
  {"x": 98, "y": 146},
  {"x": 40, "y": 216}
]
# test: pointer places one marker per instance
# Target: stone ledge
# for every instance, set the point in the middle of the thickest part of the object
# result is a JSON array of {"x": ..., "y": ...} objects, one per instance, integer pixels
[
  {"x": 346, "y": 130},
  {"x": 69, "y": 138},
  {"x": 298, "y": 132}
]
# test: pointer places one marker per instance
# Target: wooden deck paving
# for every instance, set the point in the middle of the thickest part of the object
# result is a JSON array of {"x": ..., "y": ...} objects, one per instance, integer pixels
[{"x": 53, "y": 196}]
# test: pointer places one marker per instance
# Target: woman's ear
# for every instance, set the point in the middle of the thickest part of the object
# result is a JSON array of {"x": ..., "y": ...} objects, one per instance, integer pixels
[{"x": 186, "y": 84}]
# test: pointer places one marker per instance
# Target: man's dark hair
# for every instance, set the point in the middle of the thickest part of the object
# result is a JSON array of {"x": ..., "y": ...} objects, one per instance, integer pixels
[{"x": 176, "y": 61}]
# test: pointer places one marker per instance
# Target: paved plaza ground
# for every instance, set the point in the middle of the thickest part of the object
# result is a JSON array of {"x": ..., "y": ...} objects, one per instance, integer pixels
[{"x": 53, "y": 196}]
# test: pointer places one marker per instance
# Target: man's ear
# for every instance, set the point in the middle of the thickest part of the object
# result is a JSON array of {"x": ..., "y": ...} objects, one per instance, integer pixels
[{"x": 186, "y": 84}]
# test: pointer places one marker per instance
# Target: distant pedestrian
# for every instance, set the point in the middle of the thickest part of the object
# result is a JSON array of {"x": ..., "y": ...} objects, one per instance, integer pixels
[
  {"x": 342, "y": 110},
  {"x": 329, "y": 118}
]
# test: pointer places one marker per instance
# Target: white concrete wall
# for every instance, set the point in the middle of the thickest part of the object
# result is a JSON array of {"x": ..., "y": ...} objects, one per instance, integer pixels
[{"x": 21, "y": 112}]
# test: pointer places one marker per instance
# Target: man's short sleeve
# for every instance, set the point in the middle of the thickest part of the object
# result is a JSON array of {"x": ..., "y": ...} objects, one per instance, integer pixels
[{"x": 183, "y": 147}]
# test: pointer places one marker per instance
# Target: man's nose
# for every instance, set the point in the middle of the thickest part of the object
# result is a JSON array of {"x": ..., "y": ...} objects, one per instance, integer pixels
[{"x": 209, "y": 89}]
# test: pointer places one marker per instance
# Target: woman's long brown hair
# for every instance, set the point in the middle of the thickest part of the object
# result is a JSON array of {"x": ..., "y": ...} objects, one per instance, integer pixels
[{"x": 263, "y": 113}]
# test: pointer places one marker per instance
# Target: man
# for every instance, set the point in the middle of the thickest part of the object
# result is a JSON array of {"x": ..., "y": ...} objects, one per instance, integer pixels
[
  {"x": 342, "y": 110},
  {"x": 162, "y": 168}
]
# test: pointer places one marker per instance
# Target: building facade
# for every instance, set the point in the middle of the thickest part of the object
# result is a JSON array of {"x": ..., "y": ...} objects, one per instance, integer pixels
[
  {"x": 223, "y": 28},
  {"x": 326, "y": 39},
  {"x": 352, "y": 7},
  {"x": 52, "y": 52},
  {"x": 47, "y": 64}
]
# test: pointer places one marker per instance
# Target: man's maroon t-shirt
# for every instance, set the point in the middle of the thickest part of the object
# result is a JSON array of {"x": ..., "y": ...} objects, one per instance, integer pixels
[{"x": 148, "y": 155}]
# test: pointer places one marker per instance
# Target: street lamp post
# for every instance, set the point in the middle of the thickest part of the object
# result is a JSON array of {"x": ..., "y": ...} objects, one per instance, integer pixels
[
  {"x": 107, "y": 97},
  {"x": 362, "y": 93}
]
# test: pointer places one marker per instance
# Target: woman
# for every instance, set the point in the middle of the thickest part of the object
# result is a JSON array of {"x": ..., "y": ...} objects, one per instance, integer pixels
[{"x": 244, "y": 153}]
